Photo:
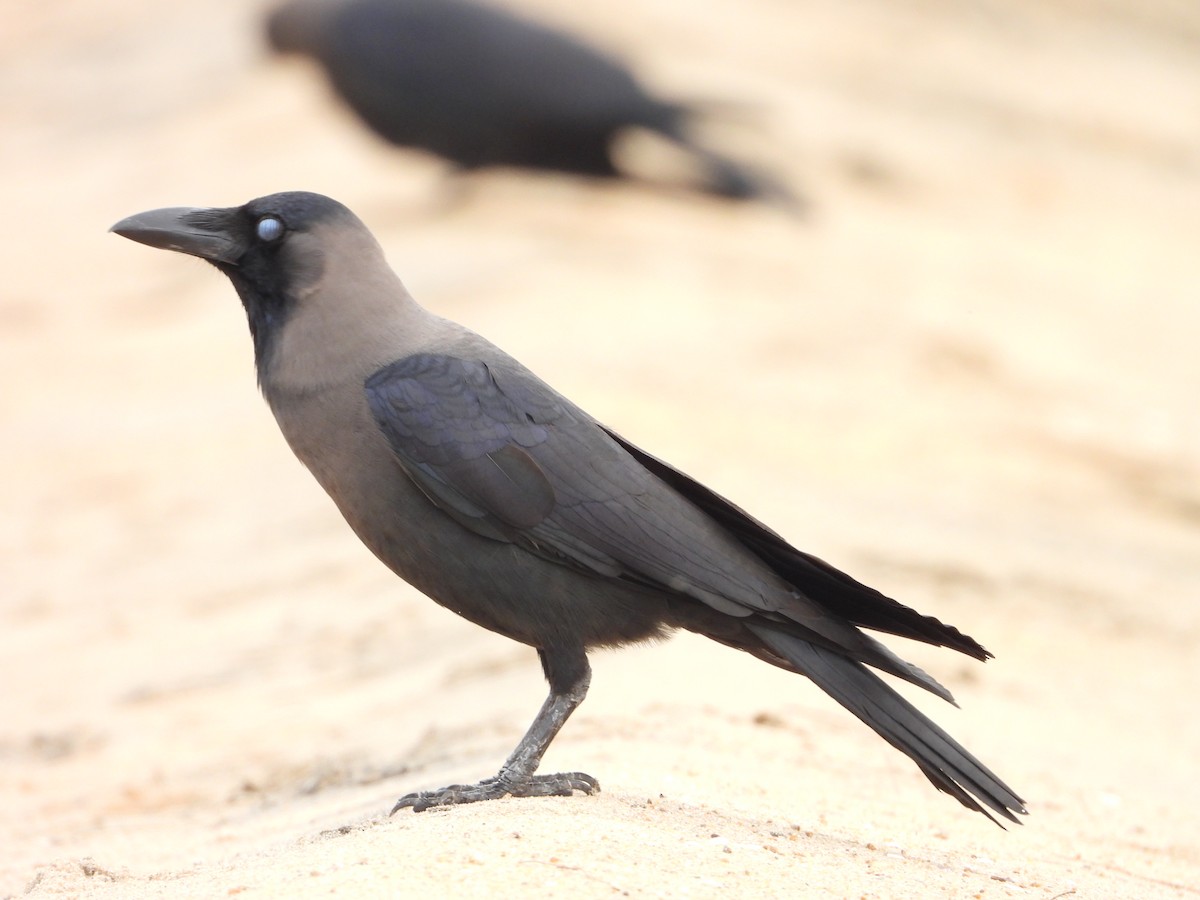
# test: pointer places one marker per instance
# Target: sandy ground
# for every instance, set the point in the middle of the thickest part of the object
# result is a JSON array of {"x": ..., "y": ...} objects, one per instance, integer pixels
[{"x": 970, "y": 377}]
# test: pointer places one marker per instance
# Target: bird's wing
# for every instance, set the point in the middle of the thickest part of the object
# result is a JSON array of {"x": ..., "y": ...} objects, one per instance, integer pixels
[
  {"x": 463, "y": 442},
  {"x": 833, "y": 588},
  {"x": 510, "y": 459}
]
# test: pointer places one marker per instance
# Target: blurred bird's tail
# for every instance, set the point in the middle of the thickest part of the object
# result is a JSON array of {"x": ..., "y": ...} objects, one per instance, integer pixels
[
  {"x": 737, "y": 181},
  {"x": 724, "y": 177},
  {"x": 945, "y": 762},
  {"x": 662, "y": 145}
]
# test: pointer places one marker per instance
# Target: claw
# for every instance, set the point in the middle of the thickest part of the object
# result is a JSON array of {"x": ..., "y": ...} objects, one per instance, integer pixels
[{"x": 561, "y": 784}]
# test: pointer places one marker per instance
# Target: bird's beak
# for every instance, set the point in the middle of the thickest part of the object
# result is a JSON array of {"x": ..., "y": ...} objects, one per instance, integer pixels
[{"x": 206, "y": 233}]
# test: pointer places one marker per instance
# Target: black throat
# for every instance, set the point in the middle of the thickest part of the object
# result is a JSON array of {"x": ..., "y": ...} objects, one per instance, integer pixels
[{"x": 267, "y": 308}]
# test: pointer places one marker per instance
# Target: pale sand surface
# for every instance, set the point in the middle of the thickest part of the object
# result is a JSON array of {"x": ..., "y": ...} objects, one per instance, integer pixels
[{"x": 971, "y": 378}]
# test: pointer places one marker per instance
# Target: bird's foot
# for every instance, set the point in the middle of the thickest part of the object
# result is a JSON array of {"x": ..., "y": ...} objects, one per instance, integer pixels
[{"x": 560, "y": 784}]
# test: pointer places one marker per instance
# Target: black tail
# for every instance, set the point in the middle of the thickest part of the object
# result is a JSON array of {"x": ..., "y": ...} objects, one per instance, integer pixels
[
  {"x": 724, "y": 177},
  {"x": 945, "y": 762},
  {"x": 727, "y": 178}
]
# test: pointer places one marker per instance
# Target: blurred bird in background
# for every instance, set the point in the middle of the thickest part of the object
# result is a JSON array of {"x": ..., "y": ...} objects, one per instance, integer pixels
[{"x": 482, "y": 87}]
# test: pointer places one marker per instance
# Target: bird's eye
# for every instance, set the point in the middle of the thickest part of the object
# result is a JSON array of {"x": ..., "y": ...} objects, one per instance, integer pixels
[{"x": 269, "y": 228}]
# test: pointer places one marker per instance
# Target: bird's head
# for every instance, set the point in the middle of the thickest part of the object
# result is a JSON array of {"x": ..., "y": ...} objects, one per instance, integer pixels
[{"x": 276, "y": 250}]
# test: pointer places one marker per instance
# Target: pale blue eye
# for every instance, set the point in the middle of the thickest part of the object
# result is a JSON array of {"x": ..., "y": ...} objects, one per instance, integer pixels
[{"x": 269, "y": 228}]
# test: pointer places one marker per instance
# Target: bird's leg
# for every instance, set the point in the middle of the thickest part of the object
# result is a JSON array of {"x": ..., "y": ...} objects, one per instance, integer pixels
[{"x": 516, "y": 777}]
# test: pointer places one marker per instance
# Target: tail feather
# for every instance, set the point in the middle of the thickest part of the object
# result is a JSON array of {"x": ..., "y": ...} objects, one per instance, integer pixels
[
  {"x": 725, "y": 177},
  {"x": 946, "y": 763},
  {"x": 887, "y": 661},
  {"x": 730, "y": 179}
]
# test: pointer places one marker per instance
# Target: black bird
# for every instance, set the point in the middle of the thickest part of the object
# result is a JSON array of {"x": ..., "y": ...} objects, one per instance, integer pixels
[
  {"x": 481, "y": 87},
  {"x": 505, "y": 502}
]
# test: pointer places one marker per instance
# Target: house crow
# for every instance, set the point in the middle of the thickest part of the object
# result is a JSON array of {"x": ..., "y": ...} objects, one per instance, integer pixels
[
  {"x": 482, "y": 87},
  {"x": 484, "y": 488}
]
